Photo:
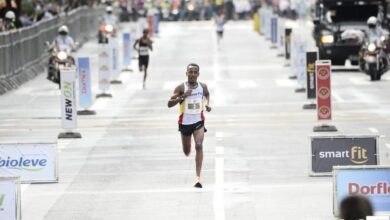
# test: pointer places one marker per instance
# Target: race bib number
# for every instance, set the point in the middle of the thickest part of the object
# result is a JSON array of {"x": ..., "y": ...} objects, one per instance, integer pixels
[
  {"x": 143, "y": 51},
  {"x": 193, "y": 106}
]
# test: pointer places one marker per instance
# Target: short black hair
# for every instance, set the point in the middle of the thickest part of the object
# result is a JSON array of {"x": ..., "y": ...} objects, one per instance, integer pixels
[{"x": 193, "y": 64}]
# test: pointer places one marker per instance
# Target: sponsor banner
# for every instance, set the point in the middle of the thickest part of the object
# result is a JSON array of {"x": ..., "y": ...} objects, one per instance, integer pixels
[
  {"x": 323, "y": 74},
  {"x": 300, "y": 54},
  {"x": 287, "y": 44},
  {"x": 104, "y": 67},
  {"x": 311, "y": 58},
  {"x": 115, "y": 60},
  {"x": 127, "y": 49},
  {"x": 281, "y": 35},
  {"x": 10, "y": 198},
  {"x": 370, "y": 181},
  {"x": 327, "y": 152},
  {"x": 31, "y": 162},
  {"x": 85, "y": 92},
  {"x": 68, "y": 98},
  {"x": 274, "y": 30}
]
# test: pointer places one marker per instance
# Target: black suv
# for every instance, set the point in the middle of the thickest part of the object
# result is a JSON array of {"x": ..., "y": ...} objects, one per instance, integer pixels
[{"x": 340, "y": 26}]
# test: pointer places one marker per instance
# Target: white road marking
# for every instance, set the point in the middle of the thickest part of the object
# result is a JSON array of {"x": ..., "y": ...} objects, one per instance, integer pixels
[
  {"x": 219, "y": 204},
  {"x": 286, "y": 82},
  {"x": 246, "y": 84},
  {"x": 373, "y": 130},
  {"x": 388, "y": 146},
  {"x": 338, "y": 98},
  {"x": 219, "y": 150}
]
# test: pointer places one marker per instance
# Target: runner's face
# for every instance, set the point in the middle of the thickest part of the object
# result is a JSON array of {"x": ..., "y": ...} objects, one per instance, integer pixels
[{"x": 192, "y": 74}]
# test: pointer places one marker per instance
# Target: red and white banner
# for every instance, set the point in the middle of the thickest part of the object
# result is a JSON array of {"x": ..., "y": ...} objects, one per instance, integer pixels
[{"x": 324, "y": 101}]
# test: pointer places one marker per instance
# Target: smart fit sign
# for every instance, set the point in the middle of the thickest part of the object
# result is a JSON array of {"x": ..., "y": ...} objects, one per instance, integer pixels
[
  {"x": 10, "y": 198},
  {"x": 370, "y": 181},
  {"x": 31, "y": 162},
  {"x": 323, "y": 72},
  {"x": 327, "y": 152}
]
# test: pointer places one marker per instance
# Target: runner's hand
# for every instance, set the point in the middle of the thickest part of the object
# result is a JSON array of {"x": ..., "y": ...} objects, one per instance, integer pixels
[
  {"x": 208, "y": 108},
  {"x": 187, "y": 93}
]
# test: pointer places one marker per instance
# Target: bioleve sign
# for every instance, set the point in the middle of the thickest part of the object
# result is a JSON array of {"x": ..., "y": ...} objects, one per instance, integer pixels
[
  {"x": 370, "y": 181},
  {"x": 32, "y": 162}
]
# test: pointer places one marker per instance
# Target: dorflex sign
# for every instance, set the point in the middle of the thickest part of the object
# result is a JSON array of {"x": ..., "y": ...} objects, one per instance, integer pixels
[
  {"x": 10, "y": 198},
  {"x": 68, "y": 98},
  {"x": 32, "y": 162},
  {"x": 85, "y": 93},
  {"x": 323, "y": 74},
  {"x": 370, "y": 181},
  {"x": 104, "y": 67},
  {"x": 327, "y": 152},
  {"x": 311, "y": 58}
]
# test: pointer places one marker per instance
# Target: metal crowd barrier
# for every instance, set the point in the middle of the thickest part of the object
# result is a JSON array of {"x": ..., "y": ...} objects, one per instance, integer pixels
[{"x": 25, "y": 48}]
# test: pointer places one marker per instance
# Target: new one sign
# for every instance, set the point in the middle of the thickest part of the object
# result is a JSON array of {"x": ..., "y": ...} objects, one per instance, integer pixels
[{"x": 31, "y": 162}]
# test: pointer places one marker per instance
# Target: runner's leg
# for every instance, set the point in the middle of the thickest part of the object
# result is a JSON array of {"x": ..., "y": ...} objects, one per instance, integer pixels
[
  {"x": 186, "y": 142},
  {"x": 198, "y": 137}
]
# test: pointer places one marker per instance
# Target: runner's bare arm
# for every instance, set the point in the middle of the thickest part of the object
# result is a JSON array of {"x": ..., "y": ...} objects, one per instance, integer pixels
[
  {"x": 135, "y": 44},
  {"x": 150, "y": 45},
  {"x": 207, "y": 96},
  {"x": 177, "y": 96}
]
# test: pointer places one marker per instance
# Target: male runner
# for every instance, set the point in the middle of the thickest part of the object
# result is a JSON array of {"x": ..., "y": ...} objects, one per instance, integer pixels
[
  {"x": 193, "y": 97},
  {"x": 144, "y": 45},
  {"x": 219, "y": 23}
]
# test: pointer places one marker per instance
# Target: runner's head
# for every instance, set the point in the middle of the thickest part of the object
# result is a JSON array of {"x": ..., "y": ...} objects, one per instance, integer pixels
[
  {"x": 192, "y": 72},
  {"x": 145, "y": 32}
]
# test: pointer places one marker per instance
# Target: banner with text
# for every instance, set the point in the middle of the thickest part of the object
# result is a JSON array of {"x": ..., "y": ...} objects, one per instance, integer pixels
[
  {"x": 300, "y": 54},
  {"x": 370, "y": 181},
  {"x": 324, "y": 98},
  {"x": 104, "y": 67},
  {"x": 32, "y": 162},
  {"x": 85, "y": 93},
  {"x": 327, "y": 152},
  {"x": 311, "y": 58},
  {"x": 287, "y": 44},
  {"x": 10, "y": 203},
  {"x": 115, "y": 60},
  {"x": 274, "y": 30},
  {"x": 127, "y": 49},
  {"x": 68, "y": 98}
]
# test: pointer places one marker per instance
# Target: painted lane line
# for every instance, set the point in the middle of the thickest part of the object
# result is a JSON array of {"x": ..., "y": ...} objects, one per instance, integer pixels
[
  {"x": 219, "y": 150},
  {"x": 373, "y": 130},
  {"x": 219, "y": 204}
]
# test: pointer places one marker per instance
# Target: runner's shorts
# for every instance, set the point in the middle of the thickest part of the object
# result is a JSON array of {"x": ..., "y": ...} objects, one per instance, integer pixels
[
  {"x": 187, "y": 130},
  {"x": 143, "y": 61}
]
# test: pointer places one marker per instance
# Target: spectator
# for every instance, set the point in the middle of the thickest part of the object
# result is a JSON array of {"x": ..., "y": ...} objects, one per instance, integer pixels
[
  {"x": 355, "y": 207},
  {"x": 9, "y": 21}
]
